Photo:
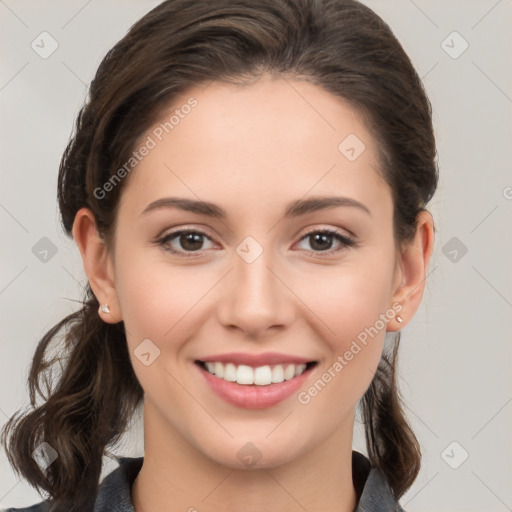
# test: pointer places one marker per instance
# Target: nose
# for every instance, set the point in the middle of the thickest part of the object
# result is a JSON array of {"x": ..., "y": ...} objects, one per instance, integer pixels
[{"x": 255, "y": 297}]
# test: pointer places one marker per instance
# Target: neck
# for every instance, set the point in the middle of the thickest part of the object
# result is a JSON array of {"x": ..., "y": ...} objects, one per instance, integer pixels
[{"x": 175, "y": 476}]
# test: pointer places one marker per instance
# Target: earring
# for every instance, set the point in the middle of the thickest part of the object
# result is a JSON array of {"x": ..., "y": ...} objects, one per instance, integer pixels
[
  {"x": 399, "y": 319},
  {"x": 104, "y": 308}
]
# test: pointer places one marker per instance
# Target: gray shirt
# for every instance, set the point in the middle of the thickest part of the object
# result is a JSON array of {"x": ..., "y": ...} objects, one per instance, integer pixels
[{"x": 114, "y": 494}]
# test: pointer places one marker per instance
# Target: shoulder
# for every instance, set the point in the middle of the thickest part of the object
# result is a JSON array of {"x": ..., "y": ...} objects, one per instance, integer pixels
[
  {"x": 42, "y": 506},
  {"x": 113, "y": 492},
  {"x": 372, "y": 487}
]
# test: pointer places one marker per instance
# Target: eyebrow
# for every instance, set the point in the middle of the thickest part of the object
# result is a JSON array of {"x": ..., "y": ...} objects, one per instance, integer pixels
[{"x": 294, "y": 209}]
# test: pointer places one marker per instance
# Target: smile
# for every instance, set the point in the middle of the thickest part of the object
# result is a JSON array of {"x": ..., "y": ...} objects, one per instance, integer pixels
[
  {"x": 259, "y": 376},
  {"x": 255, "y": 387}
]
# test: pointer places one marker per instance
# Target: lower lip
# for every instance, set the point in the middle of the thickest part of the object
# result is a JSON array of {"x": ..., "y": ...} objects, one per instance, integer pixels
[{"x": 252, "y": 396}]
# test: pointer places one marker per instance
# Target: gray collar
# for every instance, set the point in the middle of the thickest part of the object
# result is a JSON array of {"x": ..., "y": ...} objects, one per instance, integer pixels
[{"x": 372, "y": 489}]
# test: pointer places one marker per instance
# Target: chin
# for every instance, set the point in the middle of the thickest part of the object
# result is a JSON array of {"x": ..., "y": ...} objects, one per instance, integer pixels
[{"x": 256, "y": 452}]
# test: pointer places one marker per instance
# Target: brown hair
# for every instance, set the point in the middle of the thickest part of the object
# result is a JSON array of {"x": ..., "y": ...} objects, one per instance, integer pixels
[{"x": 341, "y": 46}]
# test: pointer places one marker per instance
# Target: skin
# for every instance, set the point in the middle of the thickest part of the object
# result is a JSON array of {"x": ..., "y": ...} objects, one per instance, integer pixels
[{"x": 252, "y": 150}]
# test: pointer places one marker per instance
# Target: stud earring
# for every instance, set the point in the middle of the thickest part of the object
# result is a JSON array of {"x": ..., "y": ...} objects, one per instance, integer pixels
[
  {"x": 399, "y": 319},
  {"x": 104, "y": 308}
]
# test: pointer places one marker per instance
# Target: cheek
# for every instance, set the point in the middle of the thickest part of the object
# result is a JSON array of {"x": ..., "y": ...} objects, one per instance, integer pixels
[
  {"x": 156, "y": 298},
  {"x": 350, "y": 298},
  {"x": 158, "y": 303},
  {"x": 351, "y": 304}
]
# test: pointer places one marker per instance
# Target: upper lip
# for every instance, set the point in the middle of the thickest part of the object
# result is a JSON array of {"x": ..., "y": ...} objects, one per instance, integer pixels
[{"x": 255, "y": 360}]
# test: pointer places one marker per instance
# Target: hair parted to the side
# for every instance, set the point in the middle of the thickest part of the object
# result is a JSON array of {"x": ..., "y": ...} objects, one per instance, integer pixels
[{"x": 339, "y": 45}]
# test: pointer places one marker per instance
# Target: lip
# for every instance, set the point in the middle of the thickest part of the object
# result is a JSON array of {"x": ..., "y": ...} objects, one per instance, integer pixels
[
  {"x": 255, "y": 360},
  {"x": 253, "y": 396}
]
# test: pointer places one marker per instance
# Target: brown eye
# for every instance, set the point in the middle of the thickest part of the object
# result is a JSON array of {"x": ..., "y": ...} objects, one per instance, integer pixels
[
  {"x": 322, "y": 240},
  {"x": 185, "y": 241}
]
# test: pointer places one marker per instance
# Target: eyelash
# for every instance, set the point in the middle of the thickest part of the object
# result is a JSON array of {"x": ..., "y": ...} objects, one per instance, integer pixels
[{"x": 345, "y": 241}]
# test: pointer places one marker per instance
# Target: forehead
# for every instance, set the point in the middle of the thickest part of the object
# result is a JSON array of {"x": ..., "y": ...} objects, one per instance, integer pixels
[{"x": 276, "y": 138}]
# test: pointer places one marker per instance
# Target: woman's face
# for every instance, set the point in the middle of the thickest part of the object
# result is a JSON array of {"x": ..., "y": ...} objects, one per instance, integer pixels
[{"x": 259, "y": 279}]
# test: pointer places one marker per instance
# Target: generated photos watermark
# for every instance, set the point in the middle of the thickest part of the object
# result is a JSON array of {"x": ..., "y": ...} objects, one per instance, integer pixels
[
  {"x": 304, "y": 397},
  {"x": 151, "y": 142}
]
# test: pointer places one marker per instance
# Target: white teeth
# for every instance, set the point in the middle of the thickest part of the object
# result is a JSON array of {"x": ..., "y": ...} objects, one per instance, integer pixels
[
  {"x": 260, "y": 376},
  {"x": 299, "y": 369},
  {"x": 289, "y": 372},
  {"x": 219, "y": 369},
  {"x": 278, "y": 373},
  {"x": 244, "y": 374},
  {"x": 230, "y": 372},
  {"x": 263, "y": 376}
]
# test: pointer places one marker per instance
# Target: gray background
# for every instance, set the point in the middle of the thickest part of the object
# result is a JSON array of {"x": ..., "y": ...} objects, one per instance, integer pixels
[{"x": 455, "y": 359}]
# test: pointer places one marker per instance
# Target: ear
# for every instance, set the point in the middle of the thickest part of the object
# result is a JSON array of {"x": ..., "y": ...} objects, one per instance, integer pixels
[
  {"x": 97, "y": 263},
  {"x": 411, "y": 271}
]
